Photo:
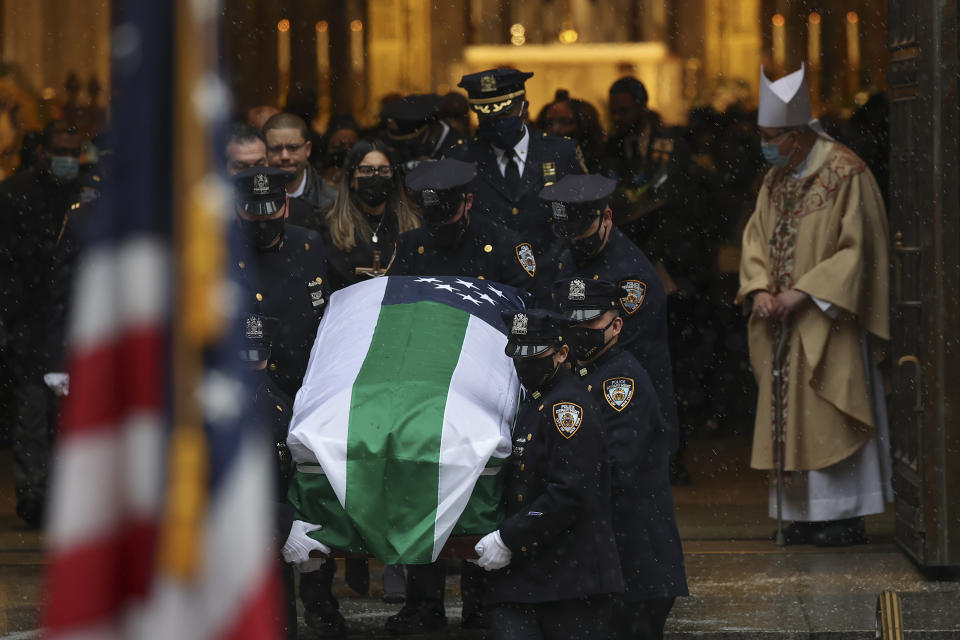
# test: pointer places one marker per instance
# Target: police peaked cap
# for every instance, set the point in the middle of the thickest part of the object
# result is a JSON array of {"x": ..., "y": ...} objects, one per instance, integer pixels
[
  {"x": 584, "y": 299},
  {"x": 440, "y": 177},
  {"x": 258, "y": 333},
  {"x": 261, "y": 191},
  {"x": 532, "y": 332},
  {"x": 406, "y": 117},
  {"x": 575, "y": 200},
  {"x": 494, "y": 90}
]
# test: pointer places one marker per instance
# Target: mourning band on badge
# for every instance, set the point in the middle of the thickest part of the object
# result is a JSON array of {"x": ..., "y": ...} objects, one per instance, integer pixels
[
  {"x": 567, "y": 416},
  {"x": 618, "y": 392}
]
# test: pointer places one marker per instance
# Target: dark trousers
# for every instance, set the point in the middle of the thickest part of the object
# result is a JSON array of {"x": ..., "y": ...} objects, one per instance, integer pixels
[
  {"x": 315, "y": 588},
  {"x": 640, "y": 619},
  {"x": 580, "y": 619},
  {"x": 426, "y": 584},
  {"x": 33, "y": 431}
]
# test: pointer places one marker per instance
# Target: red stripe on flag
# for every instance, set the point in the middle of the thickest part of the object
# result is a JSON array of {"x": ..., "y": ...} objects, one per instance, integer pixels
[
  {"x": 115, "y": 379},
  {"x": 258, "y": 616},
  {"x": 90, "y": 584}
]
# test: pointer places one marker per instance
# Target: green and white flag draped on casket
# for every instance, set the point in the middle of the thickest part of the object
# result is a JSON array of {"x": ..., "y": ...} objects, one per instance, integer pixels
[{"x": 407, "y": 402}]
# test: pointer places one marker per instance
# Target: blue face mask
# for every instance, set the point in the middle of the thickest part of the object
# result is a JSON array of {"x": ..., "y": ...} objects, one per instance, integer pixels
[
  {"x": 771, "y": 153},
  {"x": 64, "y": 168},
  {"x": 504, "y": 133}
]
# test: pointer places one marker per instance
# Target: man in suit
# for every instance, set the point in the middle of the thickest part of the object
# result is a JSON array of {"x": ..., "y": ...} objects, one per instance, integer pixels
[{"x": 513, "y": 162}]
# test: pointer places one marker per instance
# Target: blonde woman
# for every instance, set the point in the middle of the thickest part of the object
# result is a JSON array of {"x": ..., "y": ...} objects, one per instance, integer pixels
[{"x": 372, "y": 209}]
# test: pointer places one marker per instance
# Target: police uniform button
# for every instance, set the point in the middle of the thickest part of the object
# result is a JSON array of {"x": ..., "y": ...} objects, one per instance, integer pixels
[
  {"x": 420, "y": 249},
  {"x": 536, "y": 544},
  {"x": 319, "y": 280},
  {"x": 589, "y": 388},
  {"x": 523, "y": 549},
  {"x": 514, "y": 211},
  {"x": 279, "y": 408},
  {"x": 596, "y": 276},
  {"x": 273, "y": 366},
  {"x": 306, "y": 245},
  {"x": 522, "y": 466},
  {"x": 480, "y": 278},
  {"x": 487, "y": 248},
  {"x": 242, "y": 264},
  {"x": 540, "y": 408},
  {"x": 259, "y": 297},
  {"x": 519, "y": 497},
  {"x": 529, "y": 437},
  {"x": 559, "y": 265}
]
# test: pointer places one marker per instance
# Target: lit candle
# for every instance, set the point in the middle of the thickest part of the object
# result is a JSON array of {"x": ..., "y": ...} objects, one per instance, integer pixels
[
  {"x": 283, "y": 59},
  {"x": 779, "y": 42},
  {"x": 323, "y": 48},
  {"x": 813, "y": 40},
  {"x": 853, "y": 40},
  {"x": 356, "y": 46}
]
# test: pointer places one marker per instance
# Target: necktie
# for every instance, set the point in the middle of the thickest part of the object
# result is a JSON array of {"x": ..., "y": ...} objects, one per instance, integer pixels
[{"x": 512, "y": 174}]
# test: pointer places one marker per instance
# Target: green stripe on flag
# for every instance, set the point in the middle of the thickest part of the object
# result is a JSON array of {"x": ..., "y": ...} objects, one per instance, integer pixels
[{"x": 393, "y": 448}]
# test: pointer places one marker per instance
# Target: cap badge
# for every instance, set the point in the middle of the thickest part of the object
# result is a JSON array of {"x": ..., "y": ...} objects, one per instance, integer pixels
[
  {"x": 261, "y": 185},
  {"x": 254, "y": 328},
  {"x": 488, "y": 83},
  {"x": 559, "y": 211},
  {"x": 578, "y": 290},
  {"x": 519, "y": 325},
  {"x": 430, "y": 197}
]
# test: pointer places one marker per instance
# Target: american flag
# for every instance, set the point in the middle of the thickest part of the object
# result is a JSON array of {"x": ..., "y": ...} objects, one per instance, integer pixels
[{"x": 160, "y": 518}]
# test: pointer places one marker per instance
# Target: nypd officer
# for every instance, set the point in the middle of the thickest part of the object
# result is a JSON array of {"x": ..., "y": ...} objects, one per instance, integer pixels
[
  {"x": 553, "y": 561},
  {"x": 639, "y": 449},
  {"x": 454, "y": 242},
  {"x": 597, "y": 250},
  {"x": 412, "y": 127},
  {"x": 284, "y": 272},
  {"x": 513, "y": 162}
]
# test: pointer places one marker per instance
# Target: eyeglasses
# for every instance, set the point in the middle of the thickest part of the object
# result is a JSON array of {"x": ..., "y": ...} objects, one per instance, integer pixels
[
  {"x": 366, "y": 170},
  {"x": 290, "y": 148}
]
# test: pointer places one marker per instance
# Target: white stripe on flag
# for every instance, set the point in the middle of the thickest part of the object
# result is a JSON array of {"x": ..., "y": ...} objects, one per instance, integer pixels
[
  {"x": 345, "y": 332},
  {"x": 103, "y": 476},
  {"x": 485, "y": 388},
  {"x": 119, "y": 286}
]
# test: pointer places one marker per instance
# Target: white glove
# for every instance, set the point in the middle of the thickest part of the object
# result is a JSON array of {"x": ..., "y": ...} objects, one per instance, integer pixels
[
  {"x": 493, "y": 553},
  {"x": 58, "y": 382},
  {"x": 297, "y": 548}
]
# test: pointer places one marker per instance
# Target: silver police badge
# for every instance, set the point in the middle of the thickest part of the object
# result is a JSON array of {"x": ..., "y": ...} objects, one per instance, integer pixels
[
  {"x": 519, "y": 325},
  {"x": 488, "y": 83},
  {"x": 261, "y": 184},
  {"x": 254, "y": 328},
  {"x": 526, "y": 259},
  {"x": 618, "y": 392},
  {"x": 578, "y": 290},
  {"x": 636, "y": 292},
  {"x": 559, "y": 211},
  {"x": 430, "y": 197},
  {"x": 567, "y": 416}
]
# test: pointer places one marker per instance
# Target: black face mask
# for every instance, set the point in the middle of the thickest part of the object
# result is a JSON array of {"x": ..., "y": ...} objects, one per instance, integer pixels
[
  {"x": 504, "y": 133},
  {"x": 534, "y": 372},
  {"x": 263, "y": 233},
  {"x": 447, "y": 235},
  {"x": 374, "y": 190},
  {"x": 586, "y": 343},
  {"x": 588, "y": 247}
]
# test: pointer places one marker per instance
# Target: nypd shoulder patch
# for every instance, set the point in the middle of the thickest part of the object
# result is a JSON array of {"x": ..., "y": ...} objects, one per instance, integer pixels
[
  {"x": 567, "y": 416},
  {"x": 526, "y": 258},
  {"x": 636, "y": 293},
  {"x": 618, "y": 392}
]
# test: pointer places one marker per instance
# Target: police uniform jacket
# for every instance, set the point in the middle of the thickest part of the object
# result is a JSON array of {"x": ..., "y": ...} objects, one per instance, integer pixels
[
  {"x": 549, "y": 158},
  {"x": 276, "y": 407},
  {"x": 639, "y": 447},
  {"x": 557, "y": 491},
  {"x": 287, "y": 282},
  {"x": 486, "y": 250},
  {"x": 304, "y": 214},
  {"x": 644, "y": 311}
]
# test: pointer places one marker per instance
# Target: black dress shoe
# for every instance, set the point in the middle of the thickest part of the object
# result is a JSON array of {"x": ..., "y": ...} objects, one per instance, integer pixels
[
  {"x": 327, "y": 622},
  {"x": 411, "y": 620},
  {"x": 799, "y": 532},
  {"x": 842, "y": 533}
]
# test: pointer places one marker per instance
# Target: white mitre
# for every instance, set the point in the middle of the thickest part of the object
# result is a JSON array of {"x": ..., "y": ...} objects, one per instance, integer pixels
[{"x": 786, "y": 102}]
